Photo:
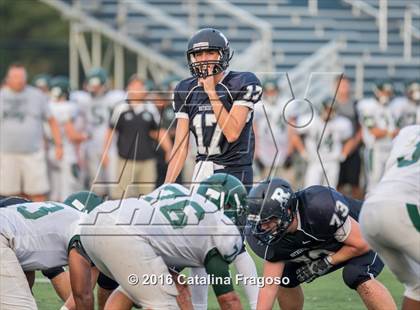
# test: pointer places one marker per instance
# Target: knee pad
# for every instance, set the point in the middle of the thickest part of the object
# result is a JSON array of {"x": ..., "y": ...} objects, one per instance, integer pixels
[
  {"x": 106, "y": 283},
  {"x": 53, "y": 272},
  {"x": 353, "y": 276}
]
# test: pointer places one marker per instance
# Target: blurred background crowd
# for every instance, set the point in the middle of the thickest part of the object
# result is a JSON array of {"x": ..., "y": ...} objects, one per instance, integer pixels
[{"x": 56, "y": 140}]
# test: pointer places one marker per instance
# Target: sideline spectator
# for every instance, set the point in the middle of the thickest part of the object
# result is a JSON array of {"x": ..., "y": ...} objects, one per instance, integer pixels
[
  {"x": 23, "y": 110},
  {"x": 163, "y": 101},
  {"x": 136, "y": 123},
  {"x": 345, "y": 105}
]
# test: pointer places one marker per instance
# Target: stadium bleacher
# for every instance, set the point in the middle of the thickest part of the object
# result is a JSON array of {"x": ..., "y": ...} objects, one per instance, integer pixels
[{"x": 296, "y": 32}]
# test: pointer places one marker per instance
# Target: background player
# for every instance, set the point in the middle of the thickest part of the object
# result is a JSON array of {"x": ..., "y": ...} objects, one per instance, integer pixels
[
  {"x": 378, "y": 129},
  {"x": 390, "y": 219},
  {"x": 406, "y": 110},
  {"x": 269, "y": 123},
  {"x": 217, "y": 107},
  {"x": 174, "y": 228},
  {"x": 97, "y": 105},
  {"x": 64, "y": 174},
  {"x": 324, "y": 156},
  {"x": 304, "y": 235}
]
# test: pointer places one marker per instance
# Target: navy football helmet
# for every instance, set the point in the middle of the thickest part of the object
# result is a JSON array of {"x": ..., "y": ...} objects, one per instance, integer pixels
[
  {"x": 271, "y": 199},
  {"x": 208, "y": 39}
]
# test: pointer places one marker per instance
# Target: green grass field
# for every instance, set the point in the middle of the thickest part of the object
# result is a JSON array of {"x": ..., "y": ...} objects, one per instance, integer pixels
[{"x": 328, "y": 292}]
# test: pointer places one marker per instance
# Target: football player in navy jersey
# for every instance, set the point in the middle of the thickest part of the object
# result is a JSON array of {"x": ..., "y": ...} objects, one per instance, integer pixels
[
  {"x": 305, "y": 235},
  {"x": 216, "y": 105}
]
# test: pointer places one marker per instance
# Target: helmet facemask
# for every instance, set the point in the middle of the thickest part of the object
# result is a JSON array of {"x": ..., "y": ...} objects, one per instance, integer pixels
[
  {"x": 205, "y": 68},
  {"x": 258, "y": 217},
  {"x": 384, "y": 93},
  {"x": 271, "y": 235}
]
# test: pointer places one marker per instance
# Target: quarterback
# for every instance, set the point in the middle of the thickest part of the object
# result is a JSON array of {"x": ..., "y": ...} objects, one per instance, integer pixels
[{"x": 216, "y": 106}]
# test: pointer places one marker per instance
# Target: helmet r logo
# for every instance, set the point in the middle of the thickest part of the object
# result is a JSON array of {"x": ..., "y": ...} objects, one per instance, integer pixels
[{"x": 281, "y": 196}]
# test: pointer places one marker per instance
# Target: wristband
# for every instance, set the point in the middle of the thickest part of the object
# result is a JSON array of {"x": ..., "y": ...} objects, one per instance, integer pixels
[{"x": 329, "y": 259}]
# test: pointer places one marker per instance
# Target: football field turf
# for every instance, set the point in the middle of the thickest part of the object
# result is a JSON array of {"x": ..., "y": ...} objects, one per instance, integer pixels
[{"x": 328, "y": 292}]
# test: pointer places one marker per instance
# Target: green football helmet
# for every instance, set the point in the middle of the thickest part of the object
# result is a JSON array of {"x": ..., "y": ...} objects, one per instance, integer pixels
[
  {"x": 226, "y": 192},
  {"x": 383, "y": 91},
  {"x": 96, "y": 77},
  {"x": 84, "y": 201},
  {"x": 59, "y": 87},
  {"x": 42, "y": 81},
  {"x": 271, "y": 84}
]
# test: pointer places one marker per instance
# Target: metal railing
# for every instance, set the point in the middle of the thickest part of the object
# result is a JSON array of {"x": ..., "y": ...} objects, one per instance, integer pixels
[
  {"x": 360, "y": 63},
  {"x": 380, "y": 14},
  {"x": 409, "y": 31},
  {"x": 81, "y": 22},
  {"x": 260, "y": 51},
  {"x": 313, "y": 78}
]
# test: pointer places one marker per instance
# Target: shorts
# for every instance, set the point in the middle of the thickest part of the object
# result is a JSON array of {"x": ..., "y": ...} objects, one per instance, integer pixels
[
  {"x": 350, "y": 170},
  {"x": 23, "y": 173},
  {"x": 134, "y": 272}
]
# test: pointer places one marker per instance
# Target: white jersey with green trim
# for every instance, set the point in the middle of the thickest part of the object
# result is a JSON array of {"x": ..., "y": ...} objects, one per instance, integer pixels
[
  {"x": 39, "y": 232},
  {"x": 63, "y": 112},
  {"x": 337, "y": 130},
  {"x": 402, "y": 167},
  {"x": 182, "y": 228},
  {"x": 405, "y": 112},
  {"x": 98, "y": 111},
  {"x": 372, "y": 114}
]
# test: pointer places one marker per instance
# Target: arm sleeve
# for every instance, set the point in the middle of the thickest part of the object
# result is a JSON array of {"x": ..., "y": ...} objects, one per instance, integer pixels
[
  {"x": 249, "y": 90},
  {"x": 179, "y": 104},
  {"x": 228, "y": 239},
  {"x": 218, "y": 268}
]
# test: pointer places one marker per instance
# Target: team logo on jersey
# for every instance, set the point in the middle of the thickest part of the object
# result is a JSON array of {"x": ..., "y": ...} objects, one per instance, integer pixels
[{"x": 147, "y": 117}]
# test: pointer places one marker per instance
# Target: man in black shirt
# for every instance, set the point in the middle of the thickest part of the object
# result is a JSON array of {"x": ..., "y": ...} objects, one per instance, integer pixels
[
  {"x": 139, "y": 136},
  {"x": 307, "y": 234}
]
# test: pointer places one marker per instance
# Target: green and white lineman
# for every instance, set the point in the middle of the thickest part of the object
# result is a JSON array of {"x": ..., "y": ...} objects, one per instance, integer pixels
[
  {"x": 134, "y": 241},
  {"x": 33, "y": 236},
  {"x": 390, "y": 218}
]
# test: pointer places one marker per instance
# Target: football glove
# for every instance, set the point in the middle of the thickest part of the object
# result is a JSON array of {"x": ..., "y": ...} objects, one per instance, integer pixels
[{"x": 313, "y": 270}]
